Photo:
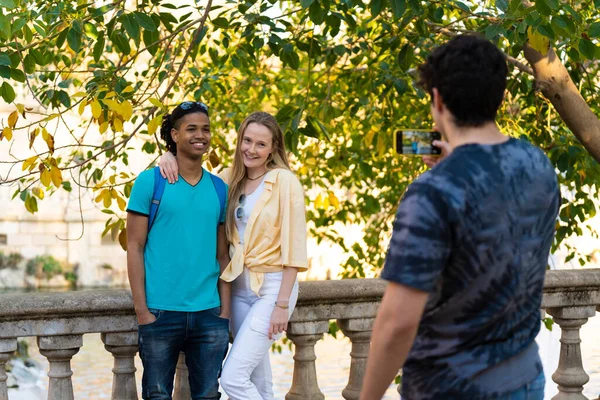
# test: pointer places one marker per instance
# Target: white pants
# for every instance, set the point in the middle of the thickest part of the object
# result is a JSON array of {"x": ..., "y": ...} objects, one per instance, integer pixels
[{"x": 247, "y": 371}]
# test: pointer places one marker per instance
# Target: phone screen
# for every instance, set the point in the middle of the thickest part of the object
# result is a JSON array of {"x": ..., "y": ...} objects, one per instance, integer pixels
[{"x": 417, "y": 142}]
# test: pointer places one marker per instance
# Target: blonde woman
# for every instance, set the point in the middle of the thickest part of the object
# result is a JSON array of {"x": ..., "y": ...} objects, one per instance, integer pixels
[{"x": 266, "y": 229}]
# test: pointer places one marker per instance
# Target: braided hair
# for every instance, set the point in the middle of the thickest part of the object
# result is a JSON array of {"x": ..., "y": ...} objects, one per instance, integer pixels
[{"x": 171, "y": 121}]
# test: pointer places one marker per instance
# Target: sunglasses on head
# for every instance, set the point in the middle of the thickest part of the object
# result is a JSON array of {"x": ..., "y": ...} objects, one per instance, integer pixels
[{"x": 186, "y": 105}]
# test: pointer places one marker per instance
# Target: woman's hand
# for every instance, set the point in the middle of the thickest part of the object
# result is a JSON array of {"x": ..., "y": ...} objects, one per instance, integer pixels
[
  {"x": 279, "y": 321},
  {"x": 168, "y": 167}
]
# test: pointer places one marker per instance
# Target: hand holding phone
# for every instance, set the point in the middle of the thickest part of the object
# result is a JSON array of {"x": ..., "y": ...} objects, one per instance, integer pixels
[{"x": 417, "y": 142}]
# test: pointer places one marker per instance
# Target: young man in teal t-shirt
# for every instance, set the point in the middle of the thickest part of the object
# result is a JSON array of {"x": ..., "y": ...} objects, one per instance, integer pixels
[{"x": 174, "y": 267}]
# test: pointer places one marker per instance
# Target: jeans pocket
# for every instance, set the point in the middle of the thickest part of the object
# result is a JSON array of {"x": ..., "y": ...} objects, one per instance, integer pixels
[
  {"x": 216, "y": 311},
  {"x": 261, "y": 325},
  {"x": 157, "y": 314}
]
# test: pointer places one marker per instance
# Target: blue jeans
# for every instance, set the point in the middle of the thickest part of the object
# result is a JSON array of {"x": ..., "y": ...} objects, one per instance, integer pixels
[
  {"x": 204, "y": 338},
  {"x": 534, "y": 390}
]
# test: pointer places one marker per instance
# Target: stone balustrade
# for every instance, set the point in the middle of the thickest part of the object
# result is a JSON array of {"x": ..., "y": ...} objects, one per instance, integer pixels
[{"x": 58, "y": 321}]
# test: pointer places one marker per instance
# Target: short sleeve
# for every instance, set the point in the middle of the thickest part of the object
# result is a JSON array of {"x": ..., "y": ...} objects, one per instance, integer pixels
[
  {"x": 293, "y": 222},
  {"x": 141, "y": 193},
  {"x": 421, "y": 239},
  {"x": 226, "y": 202}
]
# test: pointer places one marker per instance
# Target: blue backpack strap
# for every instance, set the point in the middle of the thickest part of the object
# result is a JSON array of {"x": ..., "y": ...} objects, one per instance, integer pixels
[
  {"x": 159, "y": 189},
  {"x": 221, "y": 193}
]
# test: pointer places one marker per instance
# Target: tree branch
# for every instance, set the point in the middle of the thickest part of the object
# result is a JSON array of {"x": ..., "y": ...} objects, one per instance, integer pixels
[{"x": 553, "y": 79}]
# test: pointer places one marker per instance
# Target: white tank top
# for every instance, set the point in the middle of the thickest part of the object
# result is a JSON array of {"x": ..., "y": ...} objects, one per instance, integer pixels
[{"x": 249, "y": 204}]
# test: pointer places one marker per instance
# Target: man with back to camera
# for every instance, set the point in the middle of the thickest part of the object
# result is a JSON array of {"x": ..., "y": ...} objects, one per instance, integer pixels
[
  {"x": 174, "y": 264},
  {"x": 469, "y": 249}
]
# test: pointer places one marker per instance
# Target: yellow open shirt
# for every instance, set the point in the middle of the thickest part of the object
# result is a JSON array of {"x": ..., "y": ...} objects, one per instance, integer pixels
[{"x": 275, "y": 235}]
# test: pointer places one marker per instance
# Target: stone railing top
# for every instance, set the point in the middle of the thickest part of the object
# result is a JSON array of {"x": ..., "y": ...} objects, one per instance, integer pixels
[
  {"x": 65, "y": 304},
  {"x": 48, "y": 305}
]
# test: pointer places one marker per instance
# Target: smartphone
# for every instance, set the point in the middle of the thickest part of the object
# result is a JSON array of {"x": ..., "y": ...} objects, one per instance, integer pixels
[{"x": 416, "y": 142}]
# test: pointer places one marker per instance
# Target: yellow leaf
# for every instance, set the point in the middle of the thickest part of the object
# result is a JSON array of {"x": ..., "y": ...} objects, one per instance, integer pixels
[
  {"x": 537, "y": 41},
  {"x": 123, "y": 239},
  {"x": 110, "y": 95},
  {"x": 7, "y": 133},
  {"x": 112, "y": 180},
  {"x": 45, "y": 134},
  {"x": 100, "y": 197},
  {"x": 311, "y": 161},
  {"x": 319, "y": 201},
  {"x": 45, "y": 178},
  {"x": 333, "y": 200},
  {"x": 51, "y": 117},
  {"x": 107, "y": 199},
  {"x": 39, "y": 193},
  {"x": 96, "y": 109},
  {"x": 79, "y": 94},
  {"x": 154, "y": 124},
  {"x": 368, "y": 139},
  {"x": 12, "y": 119},
  {"x": 112, "y": 105},
  {"x": 56, "y": 176},
  {"x": 114, "y": 231},
  {"x": 82, "y": 106},
  {"x": 122, "y": 204},
  {"x": 113, "y": 194},
  {"x": 50, "y": 143},
  {"x": 117, "y": 125},
  {"x": 28, "y": 163},
  {"x": 21, "y": 108},
  {"x": 156, "y": 103},
  {"x": 128, "y": 89},
  {"x": 126, "y": 110},
  {"x": 381, "y": 149},
  {"x": 103, "y": 127}
]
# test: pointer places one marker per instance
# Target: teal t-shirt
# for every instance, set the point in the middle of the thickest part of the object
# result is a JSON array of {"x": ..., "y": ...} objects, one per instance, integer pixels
[{"x": 180, "y": 257}]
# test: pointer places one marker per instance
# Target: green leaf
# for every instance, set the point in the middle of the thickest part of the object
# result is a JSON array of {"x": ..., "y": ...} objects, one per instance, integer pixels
[
  {"x": 317, "y": 13},
  {"x": 221, "y": 22},
  {"x": 493, "y": 30},
  {"x": 4, "y": 59},
  {"x": 398, "y": 7},
  {"x": 121, "y": 42},
  {"x": 546, "y": 30},
  {"x": 8, "y": 4},
  {"x": 62, "y": 36},
  {"x": 594, "y": 30},
  {"x": 542, "y": 7},
  {"x": 306, "y": 3},
  {"x": 74, "y": 39},
  {"x": 17, "y": 75},
  {"x": 376, "y": 6},
  {"x": 463, "y": 6},
  {"x": 587, "y": 48},
  {"x": 99, "y": 47},
  {"x": 5, "y": 72},
  {"x": 132, "y": 27},
  {"x": 145, "y": 21},
  {"x": 502, "y": 5},
  {"x": 406, "y": 57},
  {"x": 548, "y": 322},
  {"x": 8, "y": 93}
]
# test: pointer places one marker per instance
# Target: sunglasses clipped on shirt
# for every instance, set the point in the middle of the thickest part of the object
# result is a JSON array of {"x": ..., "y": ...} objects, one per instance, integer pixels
[
  {"x": 239, "y": 211},
  {"x": 186, "y": 105}
]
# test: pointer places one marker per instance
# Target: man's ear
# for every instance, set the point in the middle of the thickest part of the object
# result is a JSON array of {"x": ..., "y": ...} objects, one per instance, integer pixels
[
  {"x": 174, "y": 134},
  {"x": 437, "y": 101}
]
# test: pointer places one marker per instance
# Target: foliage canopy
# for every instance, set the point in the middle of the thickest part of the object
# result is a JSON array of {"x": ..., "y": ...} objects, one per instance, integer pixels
[{"x": 339, "y": 75}]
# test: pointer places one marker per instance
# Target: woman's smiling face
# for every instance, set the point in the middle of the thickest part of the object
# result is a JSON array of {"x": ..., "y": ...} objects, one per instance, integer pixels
[{"x": 256, "y": 146}]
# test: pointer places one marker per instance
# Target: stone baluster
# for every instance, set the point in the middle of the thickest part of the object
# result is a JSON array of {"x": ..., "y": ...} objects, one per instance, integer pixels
[
  {"x": 59, "y": 350},
  {"x": 123, "y": 346},
  {"x": 305, "y": 335},
  {"x": 182, "y": 384},
  {"x": 570, "y": 375},
  {"x": 7, "y": 347},
  {"x": 359, "y": 333}
]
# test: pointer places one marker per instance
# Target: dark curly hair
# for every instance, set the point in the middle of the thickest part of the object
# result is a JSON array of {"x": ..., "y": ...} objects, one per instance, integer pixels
[
  {"x": 171, "y": 121},
  {"x": 470, "y": 73}
]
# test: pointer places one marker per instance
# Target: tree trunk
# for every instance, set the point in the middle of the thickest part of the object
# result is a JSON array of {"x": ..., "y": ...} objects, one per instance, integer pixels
[{"x": 555, "y": 83}]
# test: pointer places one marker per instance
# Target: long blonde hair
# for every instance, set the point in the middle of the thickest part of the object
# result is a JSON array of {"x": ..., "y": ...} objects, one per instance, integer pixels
[{"x": 277, "y": 159}]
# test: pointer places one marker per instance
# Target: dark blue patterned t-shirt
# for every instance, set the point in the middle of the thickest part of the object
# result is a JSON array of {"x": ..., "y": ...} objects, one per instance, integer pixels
[{"x": 475, "y": 232}]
